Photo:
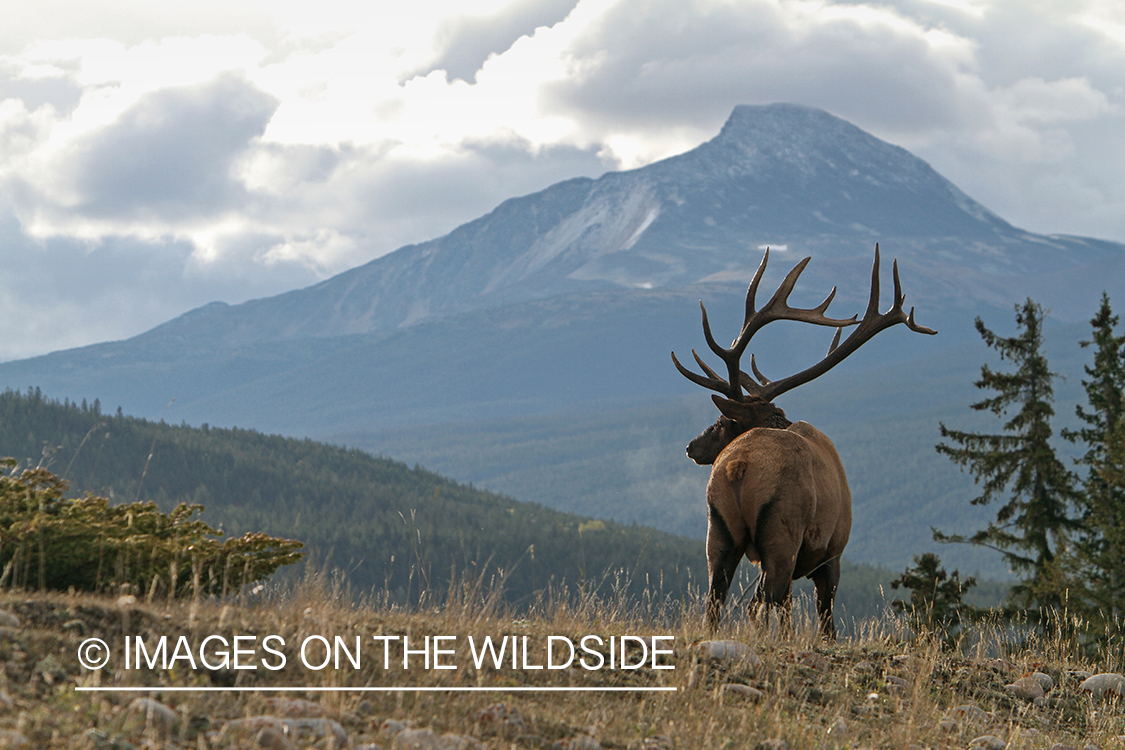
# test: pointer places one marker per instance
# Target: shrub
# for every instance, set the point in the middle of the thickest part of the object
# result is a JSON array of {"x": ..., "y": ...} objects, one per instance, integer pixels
[{"x": 49, "y": 541}]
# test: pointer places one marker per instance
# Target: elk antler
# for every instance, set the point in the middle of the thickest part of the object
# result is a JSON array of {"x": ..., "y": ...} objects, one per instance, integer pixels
[{"x": 778, "y": 309}]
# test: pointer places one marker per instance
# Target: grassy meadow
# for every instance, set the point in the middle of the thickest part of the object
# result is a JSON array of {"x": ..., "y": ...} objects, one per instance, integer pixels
[{"x": 881, "y": 688}]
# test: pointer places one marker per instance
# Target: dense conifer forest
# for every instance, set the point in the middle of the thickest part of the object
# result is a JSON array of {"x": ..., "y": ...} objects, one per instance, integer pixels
[{"x": 388, "y": 527}]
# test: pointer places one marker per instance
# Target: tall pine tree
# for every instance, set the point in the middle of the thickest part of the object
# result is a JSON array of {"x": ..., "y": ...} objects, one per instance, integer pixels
[
  {"x": 1019, "y": 465},
  {"x": 1101, "y": 546}
]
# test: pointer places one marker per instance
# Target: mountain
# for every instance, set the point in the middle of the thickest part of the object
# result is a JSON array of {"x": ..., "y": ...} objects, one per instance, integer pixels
[
  {"x": 793, "y": 178},
  {"x": 545, "y": 327}
]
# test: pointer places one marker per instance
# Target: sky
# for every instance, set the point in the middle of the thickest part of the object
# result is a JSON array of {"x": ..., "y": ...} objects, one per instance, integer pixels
[{"x": 155, "y": 157}]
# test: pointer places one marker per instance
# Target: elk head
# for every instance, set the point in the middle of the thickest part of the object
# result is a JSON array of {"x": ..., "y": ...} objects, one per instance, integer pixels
[{"x": 742, "y": 412}]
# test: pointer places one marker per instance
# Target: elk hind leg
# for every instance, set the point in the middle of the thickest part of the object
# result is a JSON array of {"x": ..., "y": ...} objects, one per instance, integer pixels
[
  {"x": 826, "y": 578},
  {"x": 723, "y": 556},
  {"x": 778, "y": 554}
]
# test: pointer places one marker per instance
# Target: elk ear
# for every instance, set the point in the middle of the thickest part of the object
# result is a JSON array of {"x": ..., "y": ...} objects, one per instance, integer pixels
[{"x": 728, "y": 408}]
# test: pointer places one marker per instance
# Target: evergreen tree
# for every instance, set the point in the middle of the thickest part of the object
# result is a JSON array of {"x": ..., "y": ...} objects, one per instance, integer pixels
[
  {"x": 1020, "y": 465},
  {"x": 936, "y": 597},
  {"x": 1101, "y": 547}
]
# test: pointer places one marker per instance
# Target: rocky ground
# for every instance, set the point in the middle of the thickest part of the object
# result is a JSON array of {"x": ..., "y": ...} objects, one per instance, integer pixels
[{"x": 746, "y": 690}]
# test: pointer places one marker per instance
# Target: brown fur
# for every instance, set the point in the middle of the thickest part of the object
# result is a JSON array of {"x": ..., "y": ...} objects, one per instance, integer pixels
[{"x": 778, "y": 497}]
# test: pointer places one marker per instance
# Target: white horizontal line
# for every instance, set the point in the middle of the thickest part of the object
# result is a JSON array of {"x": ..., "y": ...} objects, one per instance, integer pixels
[{"x": 163, "y": 689}]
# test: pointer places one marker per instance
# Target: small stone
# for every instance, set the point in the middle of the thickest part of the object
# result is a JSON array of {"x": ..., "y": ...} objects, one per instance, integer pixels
[
  {"x": 1100, "y": 684},
  {"x": 727, "y": 651},
  {"x": 968, "y": 712},
  {"x": 425, "y": 739},
  {"x": 149, "y": 712},
  {"x": 271, "y": 739},
  {"x": 391, "y": 727},
  {"x": 988, "y": 742},
  {"x": 745, "y": 691},
  {"x": 8, "y": 620},
  {"x": 1025, "y": 688},
  {"x": 316, "y": 729},
  {"x": 251, "y": 727},
  {"x": 1045, "y": 680}
]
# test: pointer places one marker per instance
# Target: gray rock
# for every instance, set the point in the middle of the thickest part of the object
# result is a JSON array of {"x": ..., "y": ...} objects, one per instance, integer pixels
[
  {"x": 426, "y": 739},
  {"x": 148, "y": 712},
  {"x": 988, "y": 742},
  {"x": 302, "y": 730},
  {"x": 391, "y": 727},
  {"x": 1026, "y": 688},
  {"x": 744, "y": 691},
  {"x": 727, "y": 651},
  {"x": 8, "y": 620},
  {"x": 1100, "y": 684},
  {"x": 967, "y": 712},
  {"x": 271, "y": 739}
]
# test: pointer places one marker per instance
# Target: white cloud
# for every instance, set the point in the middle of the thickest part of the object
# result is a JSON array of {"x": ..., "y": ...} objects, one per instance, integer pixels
[{"x": 275, "y": 143}]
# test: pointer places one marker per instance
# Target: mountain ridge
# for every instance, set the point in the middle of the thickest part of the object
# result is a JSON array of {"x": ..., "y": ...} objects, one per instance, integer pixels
[{"x": 791, "y": 176}]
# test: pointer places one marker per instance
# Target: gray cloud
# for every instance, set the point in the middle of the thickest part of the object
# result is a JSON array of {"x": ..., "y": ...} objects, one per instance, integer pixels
[
  {"x": 170, "y": 155},
  {"x": 469, "y": 41},
  {"x": 61, "y": 93},
  {"x": 60, "y": 293}
]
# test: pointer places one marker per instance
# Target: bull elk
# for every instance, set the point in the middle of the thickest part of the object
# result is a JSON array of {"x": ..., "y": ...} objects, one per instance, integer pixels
[{"x": 778, "y": 493}]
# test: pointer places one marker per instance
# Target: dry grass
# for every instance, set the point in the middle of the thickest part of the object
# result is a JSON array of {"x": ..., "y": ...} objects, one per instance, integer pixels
[{"x": 878, "y": 689}]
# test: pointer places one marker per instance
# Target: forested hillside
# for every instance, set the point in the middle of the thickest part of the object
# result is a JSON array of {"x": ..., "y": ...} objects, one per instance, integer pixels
[
  {"x": 384, "y": 524},
  {"x": 380, "y": 521}
]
